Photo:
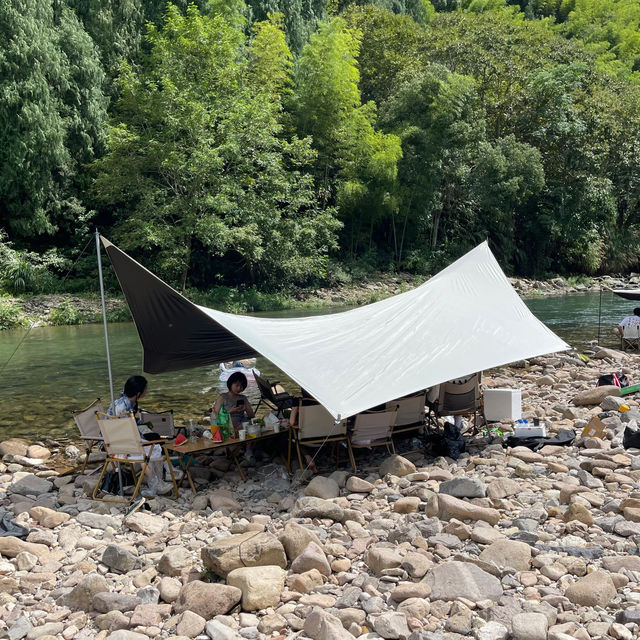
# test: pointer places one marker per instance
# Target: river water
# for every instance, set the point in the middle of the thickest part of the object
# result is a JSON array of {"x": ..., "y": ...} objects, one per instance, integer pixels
[{"x": 57, "y": 369}]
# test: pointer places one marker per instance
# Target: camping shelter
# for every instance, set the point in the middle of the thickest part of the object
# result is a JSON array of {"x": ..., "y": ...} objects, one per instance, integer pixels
[{"x": 465, "y": 319}]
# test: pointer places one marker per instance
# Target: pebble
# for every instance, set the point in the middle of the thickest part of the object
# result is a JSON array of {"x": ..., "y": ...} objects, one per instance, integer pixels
[{"x": 502, "y": 543}]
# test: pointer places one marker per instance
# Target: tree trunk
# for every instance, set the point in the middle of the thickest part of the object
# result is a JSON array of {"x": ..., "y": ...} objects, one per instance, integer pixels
[{"x": 187, "y": 263}]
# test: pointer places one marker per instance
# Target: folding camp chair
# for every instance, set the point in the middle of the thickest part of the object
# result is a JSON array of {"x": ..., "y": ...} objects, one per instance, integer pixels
[
  {"x": 630, "y": 338},
  {"x": 160, "y": 423},
  {"x": 123, "y": 446},
  {"x": 411, "y": 413},
  {"x": 272, "y": 394},
  {"x": 316, "y": 426},
  {"x": 374, "y": 429},
  {"x": 87, "y": 424},
  {"x": 459, "y": 397}
]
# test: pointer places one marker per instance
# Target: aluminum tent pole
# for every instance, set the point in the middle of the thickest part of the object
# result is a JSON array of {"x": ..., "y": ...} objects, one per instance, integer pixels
[
  {"x": 106, "y": 340},
  {"x": 599, "y": 315},
  {"x": 104, "y": 315}
]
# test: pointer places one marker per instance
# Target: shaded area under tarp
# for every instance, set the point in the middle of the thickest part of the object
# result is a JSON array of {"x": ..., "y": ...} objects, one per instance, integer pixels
[
  {"x": 627, "y": 294},
  {"x": 465, "y": 319}
]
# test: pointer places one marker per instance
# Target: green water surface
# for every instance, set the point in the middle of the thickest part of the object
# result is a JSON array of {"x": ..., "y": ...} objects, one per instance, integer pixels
[{"x": 57, "y": 369}]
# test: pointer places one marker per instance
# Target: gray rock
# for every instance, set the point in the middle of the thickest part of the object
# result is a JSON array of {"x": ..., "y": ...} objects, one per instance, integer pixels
[
  {"x": 454, "y": 580},
  {"x": 119, "y": 559},
  {"x": 218, "y": 631},
  {"x": 97, "y": 520},
  {"x": 321, "y": 625},
  {"x": 529, "y": 626},
  {"x": 397, "y": 466},
  {"x": 392, "y": 626},
  {"x": 31, "y": 485},
  {"x": 312, "y": 507},
  {"x": 207, "y": 600},
  {"x": 111, "y": 601},
  {"x": 464, "y": 488},
  {"x": 20, "y": 628},
  {"x": 492, "y": 631},
  {"x": 322, "y": 487}
]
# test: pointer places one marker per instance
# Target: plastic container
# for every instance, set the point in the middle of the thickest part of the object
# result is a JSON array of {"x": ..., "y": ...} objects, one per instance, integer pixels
[
  {"x": 253, "y": 430},
  {"x": 502, "y": 404}
]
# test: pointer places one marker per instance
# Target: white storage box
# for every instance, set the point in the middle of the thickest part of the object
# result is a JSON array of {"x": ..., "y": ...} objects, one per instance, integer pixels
[
  {"x": 502, "y": 404},
  {"x": 530, "y": 430}
]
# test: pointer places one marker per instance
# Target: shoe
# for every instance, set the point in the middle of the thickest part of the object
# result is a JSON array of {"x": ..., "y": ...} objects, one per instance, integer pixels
[
  {"x": 148, "y": 492},
  {"x": 164, "y": 488},
  {"x": 135, "y": 505}
]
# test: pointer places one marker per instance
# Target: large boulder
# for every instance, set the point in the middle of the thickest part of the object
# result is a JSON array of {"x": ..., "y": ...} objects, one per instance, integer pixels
[
  {"x": 295, "y": 538},
  {"x": 596, "y": 395},
  {"x": 450, "y": 507},
  {"x": 321, "y": 487},
  {"x": 453, "y": 580},
  {"x": 397, "y": 466},
  {"x": 312, "y": 507},
  {"x": 380, "y": 558},
  {"x": 508, "y": 553},
  {"x": 81, "y": 596},
  {"x": 31, "y": 485},
  {"x": 14, "y": 447},
  {"x": 594, "y": 590},
  {"x": 260, "y": 586},
  {"x": 253, "y": 549},
  {"x": 312, "y": 557},
  {"x": 321, "y": 625},
  {"x": 207, "y": 599},
  {"x": 10, "y": 547}
]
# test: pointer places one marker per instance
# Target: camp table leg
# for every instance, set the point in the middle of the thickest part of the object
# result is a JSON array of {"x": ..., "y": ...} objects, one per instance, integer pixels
[
  {"x": 234, "y": 455},
  {"x": 173, "y": 478}
]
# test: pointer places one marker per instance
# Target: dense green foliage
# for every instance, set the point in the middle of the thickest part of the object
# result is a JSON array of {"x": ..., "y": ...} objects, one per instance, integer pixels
[{"x": 290, "y": 142}]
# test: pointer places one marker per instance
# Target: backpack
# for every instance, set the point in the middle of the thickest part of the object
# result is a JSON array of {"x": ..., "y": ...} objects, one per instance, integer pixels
[{"x": 616, "y": 379}]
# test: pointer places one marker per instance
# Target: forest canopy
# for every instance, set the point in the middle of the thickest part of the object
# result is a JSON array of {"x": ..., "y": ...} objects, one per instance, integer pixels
[{"x": 282, "y": 142}]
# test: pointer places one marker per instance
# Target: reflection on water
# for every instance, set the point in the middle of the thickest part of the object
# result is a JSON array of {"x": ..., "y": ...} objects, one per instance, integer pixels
[{"x": 57, "y": 369}]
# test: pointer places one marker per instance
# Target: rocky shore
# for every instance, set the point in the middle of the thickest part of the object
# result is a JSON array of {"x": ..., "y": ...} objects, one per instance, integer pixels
[
  {"x": 501, "y": 543},
  {"x": 84, "y": 309}
]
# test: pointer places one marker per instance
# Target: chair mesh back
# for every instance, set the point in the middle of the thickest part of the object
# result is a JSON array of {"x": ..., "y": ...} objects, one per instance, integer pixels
[
  {"x": 162, "y": 423},
  {"x": 87, "y": 422},
  {"x": 410, "y": 409},
  {"x": 631, "y": 333},
  {"x": 375, "y": 425},
  {"x": 264, "y": 386},
  {"x": 460, "y": 397},
  {"x": 121, "y": 436},
  {"x": 314, "y": 421}
]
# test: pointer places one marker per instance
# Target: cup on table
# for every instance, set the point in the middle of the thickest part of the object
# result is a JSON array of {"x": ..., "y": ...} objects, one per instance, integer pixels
[
  {"x": 276, "y": 427},
  {"x": 242, "y": 434}
]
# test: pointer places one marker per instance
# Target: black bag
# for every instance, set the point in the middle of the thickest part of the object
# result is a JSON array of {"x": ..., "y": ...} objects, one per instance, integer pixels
[
  {"x": 631, "y": 438},
  {"x": 450, "y": 443},
  {"x": 111, "y": 484},
  {"x": 564, "y": 438},
  {"x": 615, "y": 379},
  {"x": 8, "y": 527}
]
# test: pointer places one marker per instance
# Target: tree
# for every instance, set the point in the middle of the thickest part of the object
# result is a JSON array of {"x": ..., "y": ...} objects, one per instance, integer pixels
[
  {"x": 197, "y": 164},
  {"x": 52, "y": 111},
  {"x": 356, "y": 165}
]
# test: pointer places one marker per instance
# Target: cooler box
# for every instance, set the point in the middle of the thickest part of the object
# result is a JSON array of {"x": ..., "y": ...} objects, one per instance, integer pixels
[{"x": 502, "y": 404}]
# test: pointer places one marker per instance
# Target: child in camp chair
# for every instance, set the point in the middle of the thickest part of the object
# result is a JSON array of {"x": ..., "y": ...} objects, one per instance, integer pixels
[{"x": 134, "y": 389}]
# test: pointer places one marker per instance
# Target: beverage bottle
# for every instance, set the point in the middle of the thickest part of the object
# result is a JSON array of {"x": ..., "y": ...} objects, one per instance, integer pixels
[{"x": 223, "y": 422}]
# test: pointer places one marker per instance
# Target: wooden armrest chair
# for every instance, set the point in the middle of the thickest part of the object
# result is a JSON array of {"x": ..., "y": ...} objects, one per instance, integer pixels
[
  {"x": 460, "y": 397},
  {"x": 316, "y": 426},
  {"x": 123, "y": 446},
  {"x": 630, "y": 338},
  {"x": 411, "y": 413},
  {"x": 161, "y": 422},
  {"x": 88, "y": 427},
  {"x": 374, "y": 429}
]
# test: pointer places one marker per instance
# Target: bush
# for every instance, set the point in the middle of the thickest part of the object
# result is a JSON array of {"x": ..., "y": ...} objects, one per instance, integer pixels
[
  {"x": 66, "y": 313},
  {"x": 11, "y": 315},
  {"x": 121, "y": 314}
]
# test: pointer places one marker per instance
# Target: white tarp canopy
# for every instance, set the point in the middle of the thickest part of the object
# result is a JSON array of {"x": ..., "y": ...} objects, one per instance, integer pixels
[{"x": 467, "y": 318}]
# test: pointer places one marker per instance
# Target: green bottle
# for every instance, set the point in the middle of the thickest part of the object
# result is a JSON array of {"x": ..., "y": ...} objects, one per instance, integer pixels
[{"x": 223, "y": 422}]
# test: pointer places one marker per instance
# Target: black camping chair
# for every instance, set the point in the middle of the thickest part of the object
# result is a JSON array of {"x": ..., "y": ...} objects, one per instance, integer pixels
[{"x": 273, "y": 394}]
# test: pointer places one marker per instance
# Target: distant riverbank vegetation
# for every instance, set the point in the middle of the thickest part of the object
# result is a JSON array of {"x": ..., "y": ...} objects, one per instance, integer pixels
[{"x": 303, "y": 143}]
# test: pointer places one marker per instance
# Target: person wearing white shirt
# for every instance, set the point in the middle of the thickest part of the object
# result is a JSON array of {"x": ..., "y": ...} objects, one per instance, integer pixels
[{"x": 629, "y": 321}]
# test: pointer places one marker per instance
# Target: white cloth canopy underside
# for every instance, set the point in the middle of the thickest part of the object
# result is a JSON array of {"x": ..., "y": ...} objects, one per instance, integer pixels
[{"x": 467, "y": 318}]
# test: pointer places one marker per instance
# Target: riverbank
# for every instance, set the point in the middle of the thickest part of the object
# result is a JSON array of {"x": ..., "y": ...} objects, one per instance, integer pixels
[
  {"x": 503, "y": 542},
  {"x": 69, "y": 309}
]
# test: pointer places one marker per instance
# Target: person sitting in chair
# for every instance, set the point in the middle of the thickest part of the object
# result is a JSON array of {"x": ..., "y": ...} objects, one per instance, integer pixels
[
  {"x": 629, "y": 321},
  {"x": 134, "y": 389}
]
